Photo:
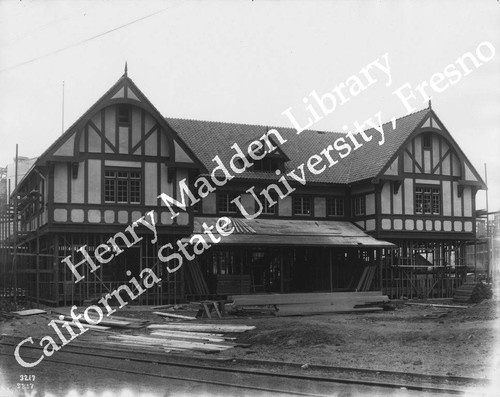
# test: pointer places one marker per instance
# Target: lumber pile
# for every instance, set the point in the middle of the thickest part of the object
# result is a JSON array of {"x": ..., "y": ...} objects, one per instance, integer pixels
[
  {"x": 183, "y": 337},
  {"x": 314, "y": 303},
  {"x": 195, "y": 281},
  {"x": 472, "y": 291},
  {"x": 365, "y": 281},
  {"x": 228, "y": 284}
]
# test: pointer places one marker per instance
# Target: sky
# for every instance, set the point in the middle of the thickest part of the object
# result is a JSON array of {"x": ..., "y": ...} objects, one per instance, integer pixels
[{"x": 248, "y": 62}]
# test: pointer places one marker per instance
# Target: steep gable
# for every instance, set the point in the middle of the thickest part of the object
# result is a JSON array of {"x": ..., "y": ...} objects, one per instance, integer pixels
[
  {"x": 429, "y": 149},
  {"x": 101, "y": 136}
]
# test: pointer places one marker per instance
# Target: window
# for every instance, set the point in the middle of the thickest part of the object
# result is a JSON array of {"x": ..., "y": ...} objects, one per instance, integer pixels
[
  {"x": 358, "y": 206},
  {"x": 302, "y": 205},
  {"x": 123, "y": 114},
  {"x": 334, "y": 206},
  {"x": 267, "y": 209},
  {"x": 427, "y": 200},
  {"x": 268, "y": 163},
  {"x": 122, "y": 186},
  {"x": 427, "y": 140},
  {"x": 224, "y": 203}
]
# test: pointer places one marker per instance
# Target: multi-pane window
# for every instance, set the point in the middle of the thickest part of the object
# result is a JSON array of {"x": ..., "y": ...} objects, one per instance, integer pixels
[
  {"x": 302, "y": 205},
  {"x": 427, "y": 200},
  {"x": 267, "y": 209},
  {"x": 224, "y": 202},
  {"x": 334, "y": 206},
  {"x": 122, "y": 186},
  {"x": 358, "y": 206}
]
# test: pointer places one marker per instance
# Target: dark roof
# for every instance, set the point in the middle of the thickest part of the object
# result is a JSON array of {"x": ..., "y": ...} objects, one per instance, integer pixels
[
  {"x": 208, "y": 139},
  {"x": 325, "y": 233}
]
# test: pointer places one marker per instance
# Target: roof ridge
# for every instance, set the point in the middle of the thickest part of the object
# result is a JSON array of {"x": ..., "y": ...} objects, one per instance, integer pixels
[{"x": 283, "y": 127}]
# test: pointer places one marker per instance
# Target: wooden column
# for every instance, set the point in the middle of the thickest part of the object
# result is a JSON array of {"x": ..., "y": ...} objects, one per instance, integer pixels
[
  {"x": 281, "y": 270},
  {"x": 55, "y": 244},
  {"x": 330, "y": 262}
]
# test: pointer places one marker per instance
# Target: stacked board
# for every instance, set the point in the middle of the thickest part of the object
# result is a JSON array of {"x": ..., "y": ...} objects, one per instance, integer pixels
[
  {"x": 365, "y": 281},
  {"x": 195, "y": 280},
  {"x": 315, "y": 303}
]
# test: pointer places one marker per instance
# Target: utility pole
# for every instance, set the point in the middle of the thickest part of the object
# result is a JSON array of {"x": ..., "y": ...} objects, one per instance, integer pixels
[
  {"x": 62, "y": 112},
  {"x": 14, "y": 259}
]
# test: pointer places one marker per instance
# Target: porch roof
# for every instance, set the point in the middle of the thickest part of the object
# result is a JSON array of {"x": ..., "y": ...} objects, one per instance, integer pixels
[{"x": 291, "y": 232}]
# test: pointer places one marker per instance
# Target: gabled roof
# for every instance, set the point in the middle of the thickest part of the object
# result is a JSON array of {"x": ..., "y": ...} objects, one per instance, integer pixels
[
  {"x": 64, "y": 148},
  {"x": 208, "y": 139}
]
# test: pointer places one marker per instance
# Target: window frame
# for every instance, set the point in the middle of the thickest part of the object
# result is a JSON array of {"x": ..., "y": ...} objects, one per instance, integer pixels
[
  {"x": 128, "y": 110},
  {"x": 133, "y": 188},
  {"x": 431, "y": 199},
  {"x": 230, "y": 196},
  {"x": 362, "y": 205},
  {"x": 329, "y": 200},
  {"x": 268, "y": 163},
  {"x": 427, "y": 141},
  {"x": 302, "y": 198},
  {"x": 266, "y": 207}
]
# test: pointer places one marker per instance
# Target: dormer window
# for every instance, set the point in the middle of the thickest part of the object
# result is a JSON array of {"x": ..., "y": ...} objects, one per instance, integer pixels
[
  {"x": 123, "y": 115},
  {"x": 268, "y": 163}
]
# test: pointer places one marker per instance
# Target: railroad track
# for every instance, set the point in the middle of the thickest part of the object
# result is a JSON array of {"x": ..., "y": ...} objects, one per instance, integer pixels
[{"x": 434, "y": 384}]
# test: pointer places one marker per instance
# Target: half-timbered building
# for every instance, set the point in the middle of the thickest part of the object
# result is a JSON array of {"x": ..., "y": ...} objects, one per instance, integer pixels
[{"x": 393, "y": 217}]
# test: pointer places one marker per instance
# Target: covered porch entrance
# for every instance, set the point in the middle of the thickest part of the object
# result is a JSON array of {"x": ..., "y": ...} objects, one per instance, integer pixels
[{"x": 288, "y": 256}]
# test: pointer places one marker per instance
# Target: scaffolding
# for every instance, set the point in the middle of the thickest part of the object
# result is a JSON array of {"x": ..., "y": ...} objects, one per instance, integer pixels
[{"x": 424, "y": 269}]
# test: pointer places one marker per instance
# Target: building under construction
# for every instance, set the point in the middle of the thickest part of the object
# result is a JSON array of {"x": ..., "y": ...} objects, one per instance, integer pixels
[{"x": 392, "y": 217}]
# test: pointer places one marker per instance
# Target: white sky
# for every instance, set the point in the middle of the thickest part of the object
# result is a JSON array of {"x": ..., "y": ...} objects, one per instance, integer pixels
[{"x": 245, "y": 62}]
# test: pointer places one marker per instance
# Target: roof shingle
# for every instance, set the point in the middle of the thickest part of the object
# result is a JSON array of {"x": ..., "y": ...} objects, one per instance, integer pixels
[{"x": 209, "y": 138}]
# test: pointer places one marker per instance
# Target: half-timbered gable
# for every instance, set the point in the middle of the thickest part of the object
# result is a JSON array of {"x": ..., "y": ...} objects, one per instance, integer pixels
[
  {"x": 110, "y": 166},
  {"x": 428, "y": 185}
]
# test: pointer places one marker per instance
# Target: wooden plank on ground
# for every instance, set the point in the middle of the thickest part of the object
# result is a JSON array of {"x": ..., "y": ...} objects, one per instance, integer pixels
[
  {"x": 171, "y": 315},
  {"x": 174, "y": 336},
  {"x": 317, "y": 309},
  {"x": 193, "y": 333},
  {"x": 205, "y": 327},
  {"x": 436, "y": 305},
  {"x": 29, "y": 312},
  {"x": 104, "y": 322},
  {"x": 89, "y": 326}
]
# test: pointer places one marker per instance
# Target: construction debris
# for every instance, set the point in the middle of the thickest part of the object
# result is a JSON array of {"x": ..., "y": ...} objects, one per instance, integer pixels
[
  {"x": 473, "y": 292},
  {"x": 29, "y": 312},
  {"x": 177, "y": 340},
  {"x": 313, "y": 303}
]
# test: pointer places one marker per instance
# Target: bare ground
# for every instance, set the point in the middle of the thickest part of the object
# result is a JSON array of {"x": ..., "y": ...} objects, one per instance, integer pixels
[{"x": 421, "y": 339}]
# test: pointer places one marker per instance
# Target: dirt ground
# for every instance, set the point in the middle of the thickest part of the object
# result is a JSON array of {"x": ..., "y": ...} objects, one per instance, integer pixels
[{"x": 420, "y": 339}]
